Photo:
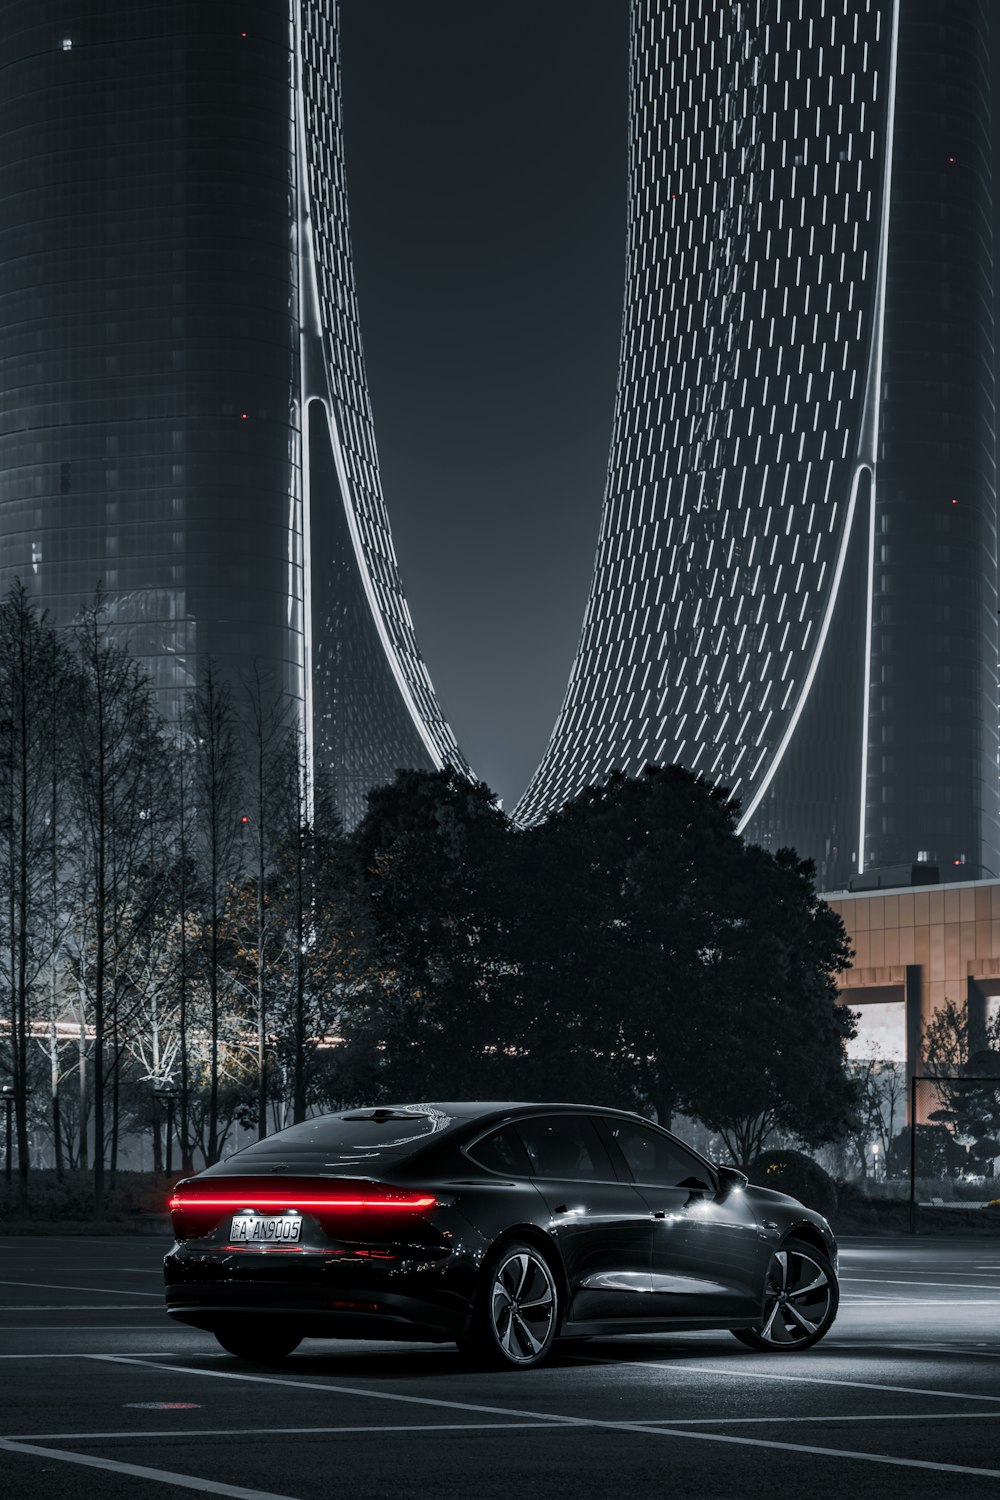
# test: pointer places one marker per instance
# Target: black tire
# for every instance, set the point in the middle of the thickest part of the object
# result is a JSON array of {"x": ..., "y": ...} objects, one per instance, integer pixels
[
  {"x": 264, "y": 1345},
  {"x": 800, "y": 1301},
  {"x": 516, "y": 1312}
]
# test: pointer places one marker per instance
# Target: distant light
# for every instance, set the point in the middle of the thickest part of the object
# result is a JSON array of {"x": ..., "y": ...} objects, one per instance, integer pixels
[
  {"x": 242, "y": 33},
  {"x": 951, "y": 158},
  {"x": 245, "y": 819},
  {"x": 67, "y": 44},
  {"x": 956, "y": 861},
  {"x": 244, "y": 415},
  {"x": 954, "y": 502}
]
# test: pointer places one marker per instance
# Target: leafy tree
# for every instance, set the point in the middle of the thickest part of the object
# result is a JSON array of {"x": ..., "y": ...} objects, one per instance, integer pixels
[
  {"x": 425, "y": 933},
  {"x": 768, "y": 1052}
]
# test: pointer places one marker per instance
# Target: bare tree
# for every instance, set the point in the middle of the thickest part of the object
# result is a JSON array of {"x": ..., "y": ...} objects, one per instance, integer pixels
[
  {"x": 114, "y": 739},
  {"x": 215, "y": 799},
  {"x": 32, "y": 679}
]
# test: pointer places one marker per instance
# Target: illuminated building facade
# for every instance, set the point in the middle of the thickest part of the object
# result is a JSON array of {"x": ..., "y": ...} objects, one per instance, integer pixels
[
  {"x": 184, "y": 415},
  {"x": 795, "y": 588}
]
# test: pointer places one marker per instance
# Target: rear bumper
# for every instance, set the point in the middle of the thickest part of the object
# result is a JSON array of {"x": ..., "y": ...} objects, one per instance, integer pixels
[{"x": 322, "y": 1297}]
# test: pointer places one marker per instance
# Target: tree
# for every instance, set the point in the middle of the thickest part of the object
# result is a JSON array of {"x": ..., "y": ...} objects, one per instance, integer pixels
[
  {"x": 770, "y": 1052},
  {"x": 426, "y": 939},
  {"x": 115, "y": 748},
  {"x": 880, "y": 1112},
  {"x": 970, "y": 1108},
  {"x": 216, "y": 795},
  {"x": 271, "y": 809},
  {"x": 33, "y": 677}
]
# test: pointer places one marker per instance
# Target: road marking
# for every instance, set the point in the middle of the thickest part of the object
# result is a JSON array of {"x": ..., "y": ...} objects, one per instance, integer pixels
[
  {"x": 20, "y": 1307},
  {"x": 940, "y": 1347},
  {"x": 903, "y": 1281},
  {"x": 659, "y": 1431},
  {"x": 891, "y": 1299},
  {"x": 97, "y": 1291},
  {"x": 526, "y": 1426},
  {"x": 141, "y": 1471},
  {"x": 271, "y": 1432},
  {"x": 854, "y": 1385}
]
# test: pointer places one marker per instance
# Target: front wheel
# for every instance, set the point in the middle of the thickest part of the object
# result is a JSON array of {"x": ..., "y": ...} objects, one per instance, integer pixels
[
  {"x": 516, "y": 1312},
  {"x": 800, "y": 1301},
  {"x": 264, "y": 1345}
]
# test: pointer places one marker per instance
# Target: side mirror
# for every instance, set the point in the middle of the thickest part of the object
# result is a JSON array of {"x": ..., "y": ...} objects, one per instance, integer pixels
[{"x": 730, "y": 1181}]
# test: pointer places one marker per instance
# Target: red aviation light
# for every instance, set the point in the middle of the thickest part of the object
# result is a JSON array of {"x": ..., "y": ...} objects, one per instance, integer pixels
[{"x": 379, "y": 1200}]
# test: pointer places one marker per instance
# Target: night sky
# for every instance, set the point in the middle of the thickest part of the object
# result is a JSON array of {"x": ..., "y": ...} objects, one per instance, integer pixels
[{"x": 486, "y": 158}]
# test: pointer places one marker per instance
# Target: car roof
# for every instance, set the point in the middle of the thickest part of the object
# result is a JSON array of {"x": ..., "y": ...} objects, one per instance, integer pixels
[{"x": 473, "y": 1109}]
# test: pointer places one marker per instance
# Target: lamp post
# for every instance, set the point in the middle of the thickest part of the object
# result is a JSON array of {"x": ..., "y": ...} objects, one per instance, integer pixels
[
  {"x": 8, "y": 1099},
  {"x": 167, "y": 1093}
]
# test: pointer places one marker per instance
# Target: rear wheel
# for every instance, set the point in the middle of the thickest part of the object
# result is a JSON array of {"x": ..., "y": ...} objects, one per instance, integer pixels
[
  {"x": 516, "y": 1312},
  {"x": 800, "y": 1301},
  {"x": 264, "y": 1345}
]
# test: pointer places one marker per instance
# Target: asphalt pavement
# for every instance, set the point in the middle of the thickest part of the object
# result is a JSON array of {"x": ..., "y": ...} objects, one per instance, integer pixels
[{"x": 100, "y": 1393}]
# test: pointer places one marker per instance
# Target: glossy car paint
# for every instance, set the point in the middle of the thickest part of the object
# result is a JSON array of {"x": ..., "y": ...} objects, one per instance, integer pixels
[{"x": 626, "y": 1257}]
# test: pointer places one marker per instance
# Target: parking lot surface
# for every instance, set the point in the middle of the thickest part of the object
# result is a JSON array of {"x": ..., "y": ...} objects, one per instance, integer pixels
[{"x": 101, "y": 1393}]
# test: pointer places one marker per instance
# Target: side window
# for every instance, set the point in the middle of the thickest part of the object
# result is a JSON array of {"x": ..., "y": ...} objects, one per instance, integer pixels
[
  {"x": 654, "y": 1159},
  {"x": 501, "y": 1151},
  {"x": 566, "y": 1146}
]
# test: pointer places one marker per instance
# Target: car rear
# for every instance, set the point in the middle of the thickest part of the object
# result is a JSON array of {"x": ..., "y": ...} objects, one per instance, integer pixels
[{"x": 283, "y": 1232}]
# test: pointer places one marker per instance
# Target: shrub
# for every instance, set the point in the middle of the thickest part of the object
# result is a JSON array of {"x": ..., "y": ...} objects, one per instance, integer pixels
[{"x": 798, "y": 1175}]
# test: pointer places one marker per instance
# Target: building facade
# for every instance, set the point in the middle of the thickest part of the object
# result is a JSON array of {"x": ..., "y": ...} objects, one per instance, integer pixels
[
  {"x": 915, "y": 949},
  {"x": 184, "y": 414},
  {"x": 795, "y": 587}
]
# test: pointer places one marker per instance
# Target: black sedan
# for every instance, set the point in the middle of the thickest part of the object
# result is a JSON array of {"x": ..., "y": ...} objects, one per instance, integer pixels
[{"x": 500, "y": 1226}]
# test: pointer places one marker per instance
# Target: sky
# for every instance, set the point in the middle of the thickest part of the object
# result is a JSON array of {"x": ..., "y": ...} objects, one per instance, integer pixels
[{"x": 486, "y": 152}]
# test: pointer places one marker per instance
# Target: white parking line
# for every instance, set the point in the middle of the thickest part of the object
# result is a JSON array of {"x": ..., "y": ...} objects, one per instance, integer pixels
[
  {"x": 855, "y": 1385},
  {"x": 97, "y": 1291},
  {"x": 587, "y": 1422},
  {"x": 88, "y": 1354},
  {"x": 526, "y": 1426},
  {"x": 20, "y": 1307},
  {"x": 141, "y": 1471},
  {"x": 906, "y": 1281}
]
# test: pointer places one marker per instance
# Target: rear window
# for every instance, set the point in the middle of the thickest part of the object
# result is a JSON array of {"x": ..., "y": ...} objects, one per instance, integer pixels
[{"x": 354, "y": 1135}]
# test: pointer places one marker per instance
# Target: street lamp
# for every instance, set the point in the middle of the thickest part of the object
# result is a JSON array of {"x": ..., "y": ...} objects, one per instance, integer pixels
[
  {"x": 875, "y": 1150},
  {"x": 8, "y": 1098},
  {"x": 167, "y": 1093}
]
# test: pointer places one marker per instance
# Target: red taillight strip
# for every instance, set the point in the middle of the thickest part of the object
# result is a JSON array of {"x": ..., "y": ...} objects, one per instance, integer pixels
[{"x": 289, "y": 1200}]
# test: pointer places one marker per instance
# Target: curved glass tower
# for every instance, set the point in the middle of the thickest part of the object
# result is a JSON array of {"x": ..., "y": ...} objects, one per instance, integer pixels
[
  {"x": 184, "y": 416},
  {"x": 795, "y": 588}
]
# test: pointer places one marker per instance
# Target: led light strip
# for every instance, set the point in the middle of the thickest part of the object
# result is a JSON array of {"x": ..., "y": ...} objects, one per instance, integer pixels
[{"x": 248, "y": 1200}]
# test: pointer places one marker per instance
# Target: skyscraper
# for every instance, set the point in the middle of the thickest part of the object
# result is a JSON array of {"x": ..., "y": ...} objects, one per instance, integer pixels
[
  {"x": 795, "y": 588},
  {"x": 184, "y": 414}
]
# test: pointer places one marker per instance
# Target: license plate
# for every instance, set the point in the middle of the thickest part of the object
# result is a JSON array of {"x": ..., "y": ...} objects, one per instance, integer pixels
[{"x": 265, "y": 1229}]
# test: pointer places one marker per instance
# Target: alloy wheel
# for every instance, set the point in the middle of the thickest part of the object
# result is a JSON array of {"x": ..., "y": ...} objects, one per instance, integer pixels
[
  {"x": 799, "y": 1301},
  {"x": 523, "y": 1306}
]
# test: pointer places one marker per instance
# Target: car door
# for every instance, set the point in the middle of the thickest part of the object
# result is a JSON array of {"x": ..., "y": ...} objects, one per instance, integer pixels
[
  {"x": 601, "y": 1223},
  {"x": 707, "y": 1259}
]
